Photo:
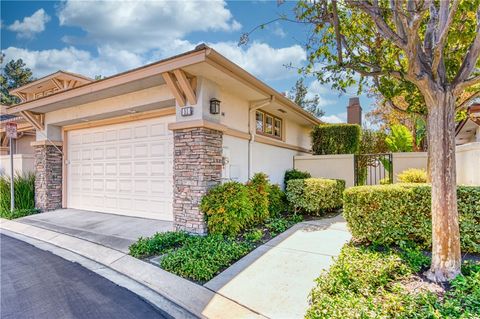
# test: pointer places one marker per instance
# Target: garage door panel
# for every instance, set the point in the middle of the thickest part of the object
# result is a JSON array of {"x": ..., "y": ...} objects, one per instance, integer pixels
[{"x": 123, "y": 168}]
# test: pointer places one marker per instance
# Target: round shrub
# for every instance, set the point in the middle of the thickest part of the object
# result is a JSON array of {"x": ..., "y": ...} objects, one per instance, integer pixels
[
  {"x": 258, "y": 191},
  {"x": 392, "y": 214},
  {"x": 295, "y": 174},
  {"x": 227, "y": 208},
  {"x": 277, "y": 201},
  {"x": 413, "y": 175},
  {"x": 315, "y": 195}
]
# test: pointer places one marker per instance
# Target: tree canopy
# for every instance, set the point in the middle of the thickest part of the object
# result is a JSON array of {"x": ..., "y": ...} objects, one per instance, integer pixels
[
  {"x": 14, "y": 74},
  {"x": 298, "y": 94}
]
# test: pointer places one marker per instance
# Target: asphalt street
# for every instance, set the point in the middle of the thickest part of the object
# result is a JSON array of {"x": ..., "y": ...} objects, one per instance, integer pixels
[{"x": 38, "y": 284}]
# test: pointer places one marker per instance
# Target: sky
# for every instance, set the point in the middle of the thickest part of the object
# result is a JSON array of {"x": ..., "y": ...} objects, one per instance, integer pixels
[{"x": 104, "y": 38}]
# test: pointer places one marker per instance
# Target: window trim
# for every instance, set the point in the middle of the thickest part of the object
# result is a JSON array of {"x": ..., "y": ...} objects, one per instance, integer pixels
[{"x": 264, "y": 125}]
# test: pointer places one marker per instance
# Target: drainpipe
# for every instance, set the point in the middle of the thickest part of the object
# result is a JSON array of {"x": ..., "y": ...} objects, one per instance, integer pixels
[{"x": 254, "y": 105}]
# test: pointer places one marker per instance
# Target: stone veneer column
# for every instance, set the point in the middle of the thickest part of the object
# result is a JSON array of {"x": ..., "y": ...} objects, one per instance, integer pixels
[
  {"x": 48, "y": 177},
  {"x": 197, "y": 166}
]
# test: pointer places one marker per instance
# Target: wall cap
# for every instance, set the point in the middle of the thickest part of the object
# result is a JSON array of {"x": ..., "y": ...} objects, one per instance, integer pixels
[
  {"x": 473, "y": 146},
  {"x": 321, "y": 157},
  {"x": 47, "y": 143}
]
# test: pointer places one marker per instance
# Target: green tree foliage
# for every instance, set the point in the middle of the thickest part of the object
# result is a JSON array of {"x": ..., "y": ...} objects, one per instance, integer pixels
[
  {"x": 299, "y": 95},
  {"x": 400, "y": 139},
  {"x": 14, "y": 74}
]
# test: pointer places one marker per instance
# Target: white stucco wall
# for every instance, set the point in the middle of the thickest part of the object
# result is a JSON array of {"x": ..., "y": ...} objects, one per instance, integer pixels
[
  {"x": 328, "y": 166},
  {"x": 22, "y": 163},
  {"x": 468, "y": 164},
  {"x": 236, "y": 152},
  {"x": 23, "y": 144},
  {"x": 404, "y": 161}
]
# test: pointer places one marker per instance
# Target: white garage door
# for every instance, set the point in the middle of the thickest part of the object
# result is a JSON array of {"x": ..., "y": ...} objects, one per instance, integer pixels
[{"x": 122, "y": 168}]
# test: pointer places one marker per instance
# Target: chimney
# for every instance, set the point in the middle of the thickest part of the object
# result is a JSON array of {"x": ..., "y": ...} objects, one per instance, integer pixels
[{"x": 354, "y": 111}]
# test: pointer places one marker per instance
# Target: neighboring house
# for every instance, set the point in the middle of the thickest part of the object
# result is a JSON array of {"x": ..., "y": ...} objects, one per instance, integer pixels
[
  {"x": 468, "y": 130},
  {"x": 151, "y": 141},
  {"x": 22, "y": 150}
]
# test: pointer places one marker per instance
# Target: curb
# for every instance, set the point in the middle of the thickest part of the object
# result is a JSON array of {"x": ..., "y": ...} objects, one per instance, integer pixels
[{"x": 192, "y": 298}]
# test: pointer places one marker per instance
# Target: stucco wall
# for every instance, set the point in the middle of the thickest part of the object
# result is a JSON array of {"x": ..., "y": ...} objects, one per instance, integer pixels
[
  {"x": 23, "y": 144},
  {"x": 468, "y": 164},
  {"x": 21, "y": 163},
  {"x": 236, "y": 151},
  {"x": 328, "y": 166},
  {"x": 404, "y": 161}
]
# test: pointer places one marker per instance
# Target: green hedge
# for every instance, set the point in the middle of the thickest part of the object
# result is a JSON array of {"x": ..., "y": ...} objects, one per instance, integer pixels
[
  {"x": 228, "y": 209},
  {"x": 258, "y": 190},
  {"x": 336, "y": 139},
  {"x": 295, "y": 174},
  {"x": 315, "y": 195},
  {"x": 391, "y": 214}
]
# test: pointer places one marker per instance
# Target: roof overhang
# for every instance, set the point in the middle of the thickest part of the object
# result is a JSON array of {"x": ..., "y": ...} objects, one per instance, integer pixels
[{"x": 151, "y": 75}]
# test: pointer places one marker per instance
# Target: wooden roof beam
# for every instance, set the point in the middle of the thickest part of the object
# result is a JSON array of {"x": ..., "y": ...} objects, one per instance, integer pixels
[
  {"x": 35, "y": 119},
  {"x": 186, "y": 86},
  {"x": 176, "y": 91}
]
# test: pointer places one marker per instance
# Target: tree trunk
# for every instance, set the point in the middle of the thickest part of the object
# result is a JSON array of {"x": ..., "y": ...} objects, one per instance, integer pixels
[{"x": 446, "y": 257}]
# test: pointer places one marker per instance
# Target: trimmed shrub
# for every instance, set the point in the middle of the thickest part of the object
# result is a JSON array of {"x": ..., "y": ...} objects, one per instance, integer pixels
[
  {"x": 277, "y": 201},
  {"x": 158, "y": 244},
  {"x": 413, "y": 175},
  {"x": 201, "y": 258},
  {"x": 258, "y": 192},
  {"x": 228, "y": 209},
  {"x": 295, "y": 174},
  {"x": 315, "y": 195},
  {"x": 24, "y": 189},
  {"x": 392, "y": 214},
  {"x": 336, "y": 139}
]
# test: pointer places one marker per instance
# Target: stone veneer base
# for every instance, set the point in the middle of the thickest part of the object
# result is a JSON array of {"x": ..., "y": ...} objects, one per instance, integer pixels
[
  {"x": 197, "y": 166},
  {"x": 48, "y": 177}
]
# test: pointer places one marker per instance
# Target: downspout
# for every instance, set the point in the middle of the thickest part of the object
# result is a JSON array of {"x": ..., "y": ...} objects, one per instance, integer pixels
[{"x": 255, "y": 105}]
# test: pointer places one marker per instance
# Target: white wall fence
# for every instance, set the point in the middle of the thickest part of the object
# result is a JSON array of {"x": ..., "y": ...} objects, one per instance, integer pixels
[
  {"x": 21, "y": 163},
  {"x": 342, "y": 166}
]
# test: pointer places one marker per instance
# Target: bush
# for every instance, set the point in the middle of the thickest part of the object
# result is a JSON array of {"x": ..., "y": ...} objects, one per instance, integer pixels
[
  {"x": 295, "y": 174},
  {"x": 400, "y": 139},
  {"x": 336, "y": 139},
  {"x": 278, "y": 225},
  {"x": 392, "y": 214},
  {"x": 315, "y": 195},
  {"x": 24, "y": 189},
  {"x": 158, "y": 244},
  {"x": 258, "y": 192},
  {"x": 367, "y": 283},
  {"x": 201, "y": 258},
  {"x": 413, "y": 175},
  {"x": 277, "y": 201},
  {"x": 228, "y": 209},
  {"x": 253, "y": 236}
]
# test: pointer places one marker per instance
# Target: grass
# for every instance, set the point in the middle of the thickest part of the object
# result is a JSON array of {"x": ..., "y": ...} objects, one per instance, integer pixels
[
  {"x": 200, "y": 258},
  {"x": 368, "y": 282},
  {"x": 24, "y": 189}
]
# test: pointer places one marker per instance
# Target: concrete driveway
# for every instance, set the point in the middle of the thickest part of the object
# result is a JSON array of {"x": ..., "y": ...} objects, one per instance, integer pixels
[{"x": 113, "y": 231}]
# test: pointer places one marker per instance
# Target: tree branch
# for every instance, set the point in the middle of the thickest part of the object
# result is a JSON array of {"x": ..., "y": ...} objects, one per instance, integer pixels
[
  {"x": 375, "y": 14},
  {"x": 468, "y": 83},
  {"x": 445, "y": 21},
  {"x": 468, "y": 100},
  {"x": 470, "y": 60},
  {"x": 336, "y": 26}
]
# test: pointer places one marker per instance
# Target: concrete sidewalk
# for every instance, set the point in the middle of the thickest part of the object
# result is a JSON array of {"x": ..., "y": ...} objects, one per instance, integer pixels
[
  {"x": 185, "y": 295},
  {"x": 276, "y": 278},
  {"x": 110, "y": 230}
]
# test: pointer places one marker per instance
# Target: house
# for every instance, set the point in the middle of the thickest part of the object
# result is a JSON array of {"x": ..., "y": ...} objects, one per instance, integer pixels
[
  {"x": 22, "y": 150},
  {"x": 151, "y": 141},
  {"x": 468, "y": 130}
]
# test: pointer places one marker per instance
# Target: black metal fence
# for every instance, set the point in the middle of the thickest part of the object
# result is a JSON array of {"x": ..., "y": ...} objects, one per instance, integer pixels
[{"x": 373, "y": 169}]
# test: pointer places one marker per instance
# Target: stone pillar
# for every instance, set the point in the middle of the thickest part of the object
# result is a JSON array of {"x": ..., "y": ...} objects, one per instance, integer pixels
[
  {"x": 197, "y": 166},
  {"x": 48, "y": 176}
]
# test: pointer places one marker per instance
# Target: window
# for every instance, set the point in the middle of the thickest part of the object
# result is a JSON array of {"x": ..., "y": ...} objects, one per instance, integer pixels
[{"x": 268, "y": 124}]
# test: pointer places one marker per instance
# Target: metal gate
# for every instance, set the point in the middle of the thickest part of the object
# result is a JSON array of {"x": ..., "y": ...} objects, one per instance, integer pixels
[{"x": 373, "y": 169}]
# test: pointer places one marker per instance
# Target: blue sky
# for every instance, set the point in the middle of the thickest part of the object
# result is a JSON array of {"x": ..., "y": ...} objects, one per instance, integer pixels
[{"x": 104, "y": 38}]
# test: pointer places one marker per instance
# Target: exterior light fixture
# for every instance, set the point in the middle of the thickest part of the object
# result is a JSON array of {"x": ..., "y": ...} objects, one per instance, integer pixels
[
  {"x": 187, "y": 111},
  {"x": 215, "y": 106}
]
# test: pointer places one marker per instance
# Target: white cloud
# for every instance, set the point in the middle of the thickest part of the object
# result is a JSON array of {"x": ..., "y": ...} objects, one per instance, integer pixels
[
  {"x": 143, "y": 25},
  {"x": 335, "y": 118},
  {"x": 30, "y": 25},
  {"x": 109, "y": 61},
  {"x": 262, "y": 60},
  {"x": 278, "y": 30}
]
